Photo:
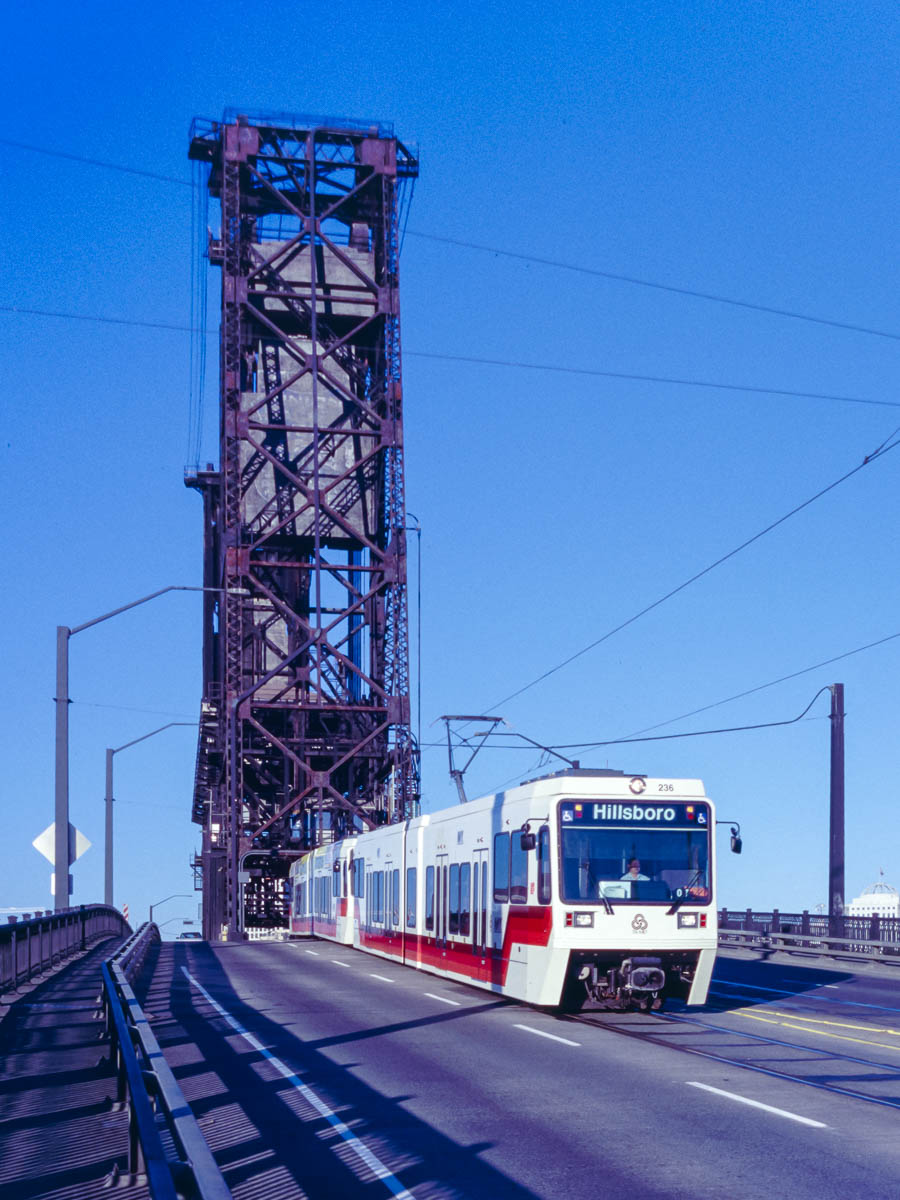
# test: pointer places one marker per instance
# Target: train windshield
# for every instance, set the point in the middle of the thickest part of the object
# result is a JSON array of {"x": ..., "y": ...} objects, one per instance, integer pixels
[{"x": 635, "y": 853}]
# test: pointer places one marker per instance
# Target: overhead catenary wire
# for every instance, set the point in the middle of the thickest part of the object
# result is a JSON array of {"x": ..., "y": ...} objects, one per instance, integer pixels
[
  {"x": 762, "y": 686},
  {"x": 578, "y": 268},
  {"x": 879, "y": 452}
]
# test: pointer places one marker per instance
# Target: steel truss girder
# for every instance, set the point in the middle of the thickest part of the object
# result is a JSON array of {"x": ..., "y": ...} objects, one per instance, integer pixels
[{"x": 306, "y": 729}]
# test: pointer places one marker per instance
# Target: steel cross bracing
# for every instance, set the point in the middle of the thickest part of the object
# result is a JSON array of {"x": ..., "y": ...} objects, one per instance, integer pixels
[{"x": 305, "y": 728}]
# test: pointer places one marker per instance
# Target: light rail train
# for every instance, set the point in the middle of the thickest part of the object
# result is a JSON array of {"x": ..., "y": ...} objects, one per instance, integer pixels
[{"x": 584, "y": 885}]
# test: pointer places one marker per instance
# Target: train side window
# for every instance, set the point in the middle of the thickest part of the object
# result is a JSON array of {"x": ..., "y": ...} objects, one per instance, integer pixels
[
  {"x": 501, "y": 867},
  {"x": 395, "y": 897},
  {"x": 518, "y": 881},
  {"x": 453, "y": 924},
  {"x": 410, "y": 897},
  {"x": 543, "y": 859},
  {"x": 344, "y": 879},
  {"x": 370, "y": 900},
  {"x": 336, "y": 880},
  {"x": 361, "y": 862},
  {"x": 464, "y": 898},
  {"x": 429, "y": 897}
]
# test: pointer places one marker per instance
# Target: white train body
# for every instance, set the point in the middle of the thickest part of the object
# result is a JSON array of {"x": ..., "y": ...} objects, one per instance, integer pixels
[{"x": 554, "y": 917}]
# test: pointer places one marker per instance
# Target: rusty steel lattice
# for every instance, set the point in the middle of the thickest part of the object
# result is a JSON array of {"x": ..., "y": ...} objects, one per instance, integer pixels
[{"x": 305, "y": 721}]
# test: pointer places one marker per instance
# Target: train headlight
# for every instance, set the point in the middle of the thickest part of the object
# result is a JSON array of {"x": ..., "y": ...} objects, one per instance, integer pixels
[
  {"x": 581, "y": 920},
  {"x": 687, "y": 921}
]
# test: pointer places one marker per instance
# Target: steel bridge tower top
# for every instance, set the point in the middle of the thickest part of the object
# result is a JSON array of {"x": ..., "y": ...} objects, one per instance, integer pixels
[{"x": 305, "y": 724}]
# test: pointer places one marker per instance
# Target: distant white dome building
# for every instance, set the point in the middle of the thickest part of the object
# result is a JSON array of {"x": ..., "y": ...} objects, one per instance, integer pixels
[{"x": 880, "y": 900}]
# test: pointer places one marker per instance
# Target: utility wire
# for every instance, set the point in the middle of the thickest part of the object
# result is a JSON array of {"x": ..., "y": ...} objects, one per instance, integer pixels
[
  {"x": 495, "y": 362},
  {"x": 661, "y": 287},
  {"x": 496, "y": 250},
  {"x": 772, "y": 683},
  {"x": 870, "y": 458},
  {"x": 701, "y": 383},
  {"x": 95, "y": 162}
]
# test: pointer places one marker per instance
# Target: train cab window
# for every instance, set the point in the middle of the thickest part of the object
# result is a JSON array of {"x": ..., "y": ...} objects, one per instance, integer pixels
[
  {"x": 336, "y": 880},
  {"x": 429, "y": 898},
  {"x": 395, "y": 898},
  {"x": 518, "y": 873},
  {"x": 410, "y": 897},
  {"x": 453, "y": 923},
  {"x": 501, "y": 867},
  {"x": 344, "y": 879},
  {"x": 360, "y": 868},
  {"x": 465, "y": 902},
  {"x": 543, "y": 865}
]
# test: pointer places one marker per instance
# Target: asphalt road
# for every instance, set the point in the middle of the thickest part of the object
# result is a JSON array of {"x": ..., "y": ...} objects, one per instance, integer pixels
[{"x": 319, "y": 1071}]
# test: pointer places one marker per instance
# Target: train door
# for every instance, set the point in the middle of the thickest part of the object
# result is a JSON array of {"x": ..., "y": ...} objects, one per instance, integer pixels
[
  {"x": 479, "y": 901},
  {"x": 440, "y": 901}
]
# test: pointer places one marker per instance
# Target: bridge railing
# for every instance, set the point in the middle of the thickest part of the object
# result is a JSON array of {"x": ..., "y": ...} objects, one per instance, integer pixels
[
  {"x": 874, "y": 937},
  {"x": 165, "y": 1144},
  {"x": 32, "y": 945}
]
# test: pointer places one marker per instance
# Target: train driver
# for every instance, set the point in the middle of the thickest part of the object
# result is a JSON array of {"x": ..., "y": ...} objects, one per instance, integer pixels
[{"x": 634, "y": 870}]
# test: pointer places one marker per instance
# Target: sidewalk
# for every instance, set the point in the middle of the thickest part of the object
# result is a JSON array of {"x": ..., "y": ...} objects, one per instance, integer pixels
[{"x": 59, "y": 1136}]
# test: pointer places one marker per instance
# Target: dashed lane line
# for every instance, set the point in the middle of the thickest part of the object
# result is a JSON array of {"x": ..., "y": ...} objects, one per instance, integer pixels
[
  {"x": 778, "y": 1112},
  {"x": 372, "y": 1162},
  {"x": 383, "y": 978},
  {"x": 443, "y": 999},
  {"x": 337, "y": 962},
  {"x": 315, "y": 952},
  {"x": 553, "y": 1037}
]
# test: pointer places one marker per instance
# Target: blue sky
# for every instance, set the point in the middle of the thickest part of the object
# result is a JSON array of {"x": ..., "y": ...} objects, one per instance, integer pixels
[{"x": 745, "y": 151}]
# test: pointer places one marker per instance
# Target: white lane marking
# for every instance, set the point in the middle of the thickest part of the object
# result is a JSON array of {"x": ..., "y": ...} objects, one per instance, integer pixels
[
  {"x": 375, "y": 1165},
  {"x": 337, "y": 962},
  {"x": 443, "y": 999},
  {"x": 552, "y": 1036},
  {"x": 315, "y": 952},
  {"x": 833, "y": 986},
  {"x": 384, "y": 978},
  {"x": 779, "y": 1112}
]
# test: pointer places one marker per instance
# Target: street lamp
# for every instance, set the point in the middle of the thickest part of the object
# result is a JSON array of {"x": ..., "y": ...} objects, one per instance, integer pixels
[
  {"x": 174, "y": 896},
  {"x": 108, "y": 864},
  {"x": 63, "y": 633}
]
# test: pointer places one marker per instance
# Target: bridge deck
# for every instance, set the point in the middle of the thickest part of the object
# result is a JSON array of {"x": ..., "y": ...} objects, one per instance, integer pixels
[{"x": 59, "y": 1137}]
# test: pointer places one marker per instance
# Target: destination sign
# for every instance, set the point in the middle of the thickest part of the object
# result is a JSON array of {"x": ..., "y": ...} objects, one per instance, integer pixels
[{"x": 613, "y": 812}]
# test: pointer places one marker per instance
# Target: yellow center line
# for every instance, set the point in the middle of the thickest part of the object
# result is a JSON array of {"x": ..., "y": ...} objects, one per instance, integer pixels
[
  {"x": 842, "y": 1037},
  {"x": 824, "y": 1021}
]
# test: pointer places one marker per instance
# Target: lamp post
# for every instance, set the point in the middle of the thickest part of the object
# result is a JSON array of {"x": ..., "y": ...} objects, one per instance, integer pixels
[
  {"x": 174, "y": 896},
  {"x": 61, "y": 832},
  {"x": 108, "y": 863}
]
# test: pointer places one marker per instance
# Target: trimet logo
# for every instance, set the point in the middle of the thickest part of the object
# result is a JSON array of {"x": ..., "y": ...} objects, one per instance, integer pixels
[
  {"x": 639, "y": 924},
  {"x": 637, "y": 786}
]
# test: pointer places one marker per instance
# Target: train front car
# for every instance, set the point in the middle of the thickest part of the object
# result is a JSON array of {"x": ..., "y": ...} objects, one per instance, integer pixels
[{"x": 635, "y": 919}]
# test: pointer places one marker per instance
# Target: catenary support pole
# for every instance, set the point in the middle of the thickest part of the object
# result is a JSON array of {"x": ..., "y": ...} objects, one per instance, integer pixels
[{"x": 836, "y": 824}]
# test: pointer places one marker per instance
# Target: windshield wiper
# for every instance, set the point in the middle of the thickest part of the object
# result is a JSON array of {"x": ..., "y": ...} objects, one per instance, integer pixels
[{"x": 606, "y": 902}]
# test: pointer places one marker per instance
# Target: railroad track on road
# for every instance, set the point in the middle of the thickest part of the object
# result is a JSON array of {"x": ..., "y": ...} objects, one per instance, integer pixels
[{"x": 702, "y": 1035}]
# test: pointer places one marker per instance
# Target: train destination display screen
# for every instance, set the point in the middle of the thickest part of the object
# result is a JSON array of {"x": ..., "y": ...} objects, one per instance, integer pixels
[{"x": 636, "y": 851}]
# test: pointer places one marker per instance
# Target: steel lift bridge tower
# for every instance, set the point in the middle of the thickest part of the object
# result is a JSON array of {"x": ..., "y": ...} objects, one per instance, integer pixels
[{"x": 305, "y": 718}]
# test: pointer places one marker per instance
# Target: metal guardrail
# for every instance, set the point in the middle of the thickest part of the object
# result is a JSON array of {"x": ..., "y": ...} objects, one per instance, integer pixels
[
  {"x": 165, "y": 1145},
  {"x": 33, "y": 945},
  {"x": 866, "y": 939}
]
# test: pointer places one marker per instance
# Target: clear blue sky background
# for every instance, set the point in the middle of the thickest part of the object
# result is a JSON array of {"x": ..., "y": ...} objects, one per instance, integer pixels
[{"x": 747, "y": 150}]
